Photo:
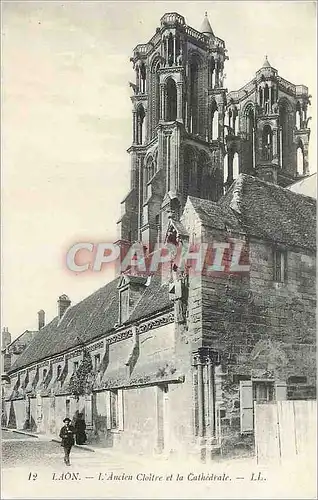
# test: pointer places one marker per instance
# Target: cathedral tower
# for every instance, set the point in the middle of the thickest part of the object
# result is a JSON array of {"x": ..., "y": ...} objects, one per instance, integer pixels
[
  {"x": 192, "y": 137},
  {"x": 178, "y": 134},
  {"x": 267, "y": 130}
]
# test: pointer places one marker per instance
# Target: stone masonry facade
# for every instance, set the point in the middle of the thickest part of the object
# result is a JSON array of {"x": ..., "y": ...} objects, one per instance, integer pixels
[{"x": 175, "y": 362}]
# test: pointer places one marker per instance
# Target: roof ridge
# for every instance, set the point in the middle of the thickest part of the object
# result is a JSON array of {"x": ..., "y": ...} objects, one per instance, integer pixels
[
  {"x": 202, "y": 199},
  {"x": 21, "y": 334},
  {"x": 267, "y": 183}
]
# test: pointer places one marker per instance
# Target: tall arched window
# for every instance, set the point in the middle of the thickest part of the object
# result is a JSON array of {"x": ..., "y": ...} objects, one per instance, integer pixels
[
  {"x": 225, "y": 168},
  {"x": 298, "y": 116},
  {"x": 236, "y": 167},
  {"x": 230, "y": 118},
  {"x": 249, "y": 115},
  {"x": 59, "y": 371},
  {"x": 170, "y": 50},
  {"x": 266, "y": 98},
  {"x": 171, "y": 100},
  {"x": 215, "y": 121},
  {"x": 300, "y": 159},
  {"x": 140, "y": 124},
  {"x": 249, "y": 122},
  {"x": 155, "y": 96},
  {"x": 150, "y": 171},
  {"x": 235, "y": 121},
  {"x": 273, "y": 94},
  {"x": 267, "y": 139},
  {"x": 212, "y": 72},
  {"x": 283, "y": 122},
  {"x": 226, "y": 119},
  {"x": 260, "y": 96},
  {"x": 188, "y": 171},
  {"x": 143, "y": 78},
  {"x": 155, "y": 161},
  {"x": 203, "y": 175},
  {"x": 178, "y": 47},
  {"x": 193, "y": 111}
]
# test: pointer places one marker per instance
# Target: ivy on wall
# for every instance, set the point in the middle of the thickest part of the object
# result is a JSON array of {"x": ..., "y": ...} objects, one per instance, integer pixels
[{"x": 82, "y": 380}]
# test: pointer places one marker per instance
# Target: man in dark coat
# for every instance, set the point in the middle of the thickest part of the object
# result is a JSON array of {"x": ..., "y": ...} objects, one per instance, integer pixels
[
  {"x": 67, "y": 435},
  {"x": 80, "y": 428}
]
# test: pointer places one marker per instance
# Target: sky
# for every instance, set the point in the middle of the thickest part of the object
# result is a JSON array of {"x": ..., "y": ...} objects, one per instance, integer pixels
[{"x": 66, "y": 123}]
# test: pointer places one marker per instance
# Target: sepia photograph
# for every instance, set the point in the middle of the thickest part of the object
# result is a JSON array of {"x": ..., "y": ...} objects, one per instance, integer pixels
[{"x": 158, "y": 266}]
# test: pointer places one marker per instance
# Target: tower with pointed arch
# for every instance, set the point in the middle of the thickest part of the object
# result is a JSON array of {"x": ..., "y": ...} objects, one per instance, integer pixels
[
  {"x": 193, "y": 137},
  {"x": 178, "y": 106},
  {"x": 268, "y": 128}
]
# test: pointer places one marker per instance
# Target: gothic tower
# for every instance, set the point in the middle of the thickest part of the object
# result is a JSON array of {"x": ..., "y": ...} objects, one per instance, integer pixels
[
  {"x": 267, "y": 130},
  {"x": 178, "y": 130},
  {"x": 192, "y": 137}
]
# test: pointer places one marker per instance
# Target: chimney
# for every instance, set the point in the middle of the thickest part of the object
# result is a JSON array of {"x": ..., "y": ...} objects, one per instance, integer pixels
[
  {"x": 63, "y": 303},
  {"x": 6, "y": 337},
  {"x": 41, "y": 319}
]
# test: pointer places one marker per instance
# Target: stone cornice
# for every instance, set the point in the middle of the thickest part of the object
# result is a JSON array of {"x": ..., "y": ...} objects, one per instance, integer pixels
[
  {"x": 172, "y": 69},
  {"x": 141, "y": 328}
]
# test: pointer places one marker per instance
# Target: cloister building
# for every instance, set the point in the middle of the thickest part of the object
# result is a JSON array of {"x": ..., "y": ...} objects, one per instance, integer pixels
[{"x": 175, "y": 363}]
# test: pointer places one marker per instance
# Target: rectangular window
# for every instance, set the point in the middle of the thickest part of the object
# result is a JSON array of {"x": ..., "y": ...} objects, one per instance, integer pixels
[
  {"x": 263, "y": 392},
  {"x": 67, "y": 408},
  {"x": 295, "y": 379},
  {"x": 75, "y": 366},
  {"x": 258, "y": 391},
  {"x": 115, "y": 409},
  {"x": 279, "y": 266},
  {"x": 96, "y": 362}
]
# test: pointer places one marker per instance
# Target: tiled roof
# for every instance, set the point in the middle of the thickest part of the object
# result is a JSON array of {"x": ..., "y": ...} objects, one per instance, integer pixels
[
  {"x": 90, "y": 319},
  {"x": 213, "y": 215},
  {"x": 21, "y": 341},
  {"x": 155, "y": 298},
  {"x": 263, "y": 210}
]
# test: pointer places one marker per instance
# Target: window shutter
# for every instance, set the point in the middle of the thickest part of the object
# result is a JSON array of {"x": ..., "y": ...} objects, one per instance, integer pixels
[
  {"x": 285, "y": 276},
  {"x": 108, "y": 415},
  {"x": 246, "y": 406},
  {"x": 281, "y": 391},
  {"x": 120, "y": 402}
]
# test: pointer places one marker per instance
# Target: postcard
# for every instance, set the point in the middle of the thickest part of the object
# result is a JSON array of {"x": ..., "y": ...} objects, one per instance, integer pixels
[{"x": 158, "y": 257}]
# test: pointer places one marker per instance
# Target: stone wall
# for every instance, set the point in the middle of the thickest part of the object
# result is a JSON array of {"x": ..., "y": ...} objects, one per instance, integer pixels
[
  {"x": 152, "y": 371},
  {"x": 263, "y": 329}
]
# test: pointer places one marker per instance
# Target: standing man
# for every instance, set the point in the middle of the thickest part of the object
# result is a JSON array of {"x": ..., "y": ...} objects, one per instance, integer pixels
[{"x": 67, "y": 436}]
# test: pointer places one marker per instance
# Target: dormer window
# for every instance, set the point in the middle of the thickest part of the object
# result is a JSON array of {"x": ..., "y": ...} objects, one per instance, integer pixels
[
  {"x": 123, "y": 305},
  {"x": 130, "y": 289}
]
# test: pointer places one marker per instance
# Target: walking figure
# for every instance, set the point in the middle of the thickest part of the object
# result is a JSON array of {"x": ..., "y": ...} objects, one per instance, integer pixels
[
  {"x": 80, "y": 427},
  {"x": 67, "y": 435}
]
